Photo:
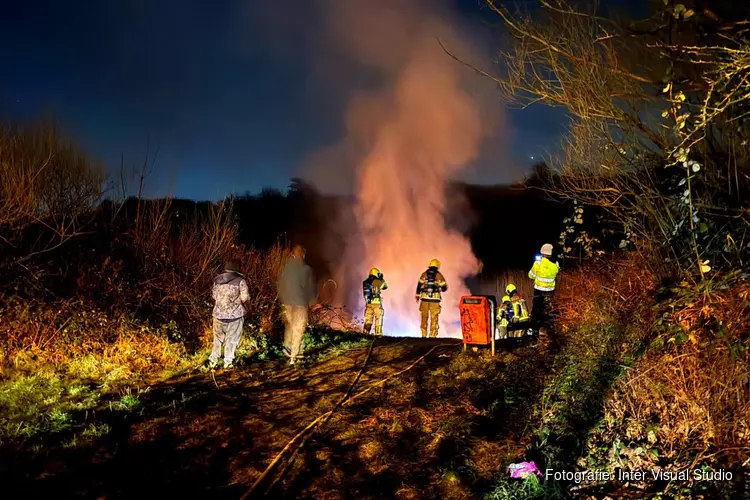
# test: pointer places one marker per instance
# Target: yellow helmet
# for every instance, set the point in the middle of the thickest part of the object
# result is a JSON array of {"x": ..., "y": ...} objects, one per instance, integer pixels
[
  {"x": 505, "y": 299},
  {"x": 374, "y": 271},
  {"x": 510, "y": 288},
  {"x": 434, "y": 263}
]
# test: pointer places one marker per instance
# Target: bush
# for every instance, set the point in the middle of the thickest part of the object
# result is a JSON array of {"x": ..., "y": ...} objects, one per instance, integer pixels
[
  {"x": 669, "y": 365},
  {"x": 690, "y": 395},
  {"x": 606, "y": 291},
  {"x": 82, "y": 342},
  {"x": 47, "y": 185}
]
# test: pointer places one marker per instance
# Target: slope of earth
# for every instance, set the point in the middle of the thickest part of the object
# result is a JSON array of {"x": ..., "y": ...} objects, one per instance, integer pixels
[{"x": 431, "y": 432}]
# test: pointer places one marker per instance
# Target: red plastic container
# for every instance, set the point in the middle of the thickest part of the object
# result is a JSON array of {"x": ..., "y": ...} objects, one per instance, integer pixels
[{"x": 477, "y": 319}]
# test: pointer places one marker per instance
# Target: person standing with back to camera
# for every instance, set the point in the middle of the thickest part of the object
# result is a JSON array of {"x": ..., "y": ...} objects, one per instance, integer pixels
[
  {"x": 429, "y": 288},
  {"x": 297, "y": 293},
  {"x": 544, "y": 274}
]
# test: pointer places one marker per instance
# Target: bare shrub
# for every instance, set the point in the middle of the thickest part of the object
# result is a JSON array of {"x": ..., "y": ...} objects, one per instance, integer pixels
[
  {"x": 72, "y": 334},
  {"x": 658, "y": 135},
  {"x": 605, "y": 291},
  {"x": 688, "y": 395},
  {"x": 45, "y": 183},
  {"x": 694, "y": 404},
  {"x": 160, "y": 267},
  {"x": 262, "y": 270}
]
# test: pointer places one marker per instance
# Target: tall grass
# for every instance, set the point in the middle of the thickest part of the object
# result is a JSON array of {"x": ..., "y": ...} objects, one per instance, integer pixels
[
  {"x": 689, "y": 393},
  {"x": 646, "y": 377}
]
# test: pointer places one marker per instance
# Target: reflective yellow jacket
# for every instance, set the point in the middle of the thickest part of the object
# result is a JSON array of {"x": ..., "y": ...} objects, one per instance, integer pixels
[
  {"x": 520, "y": 311},
  {"x": 544, "y": 272}
]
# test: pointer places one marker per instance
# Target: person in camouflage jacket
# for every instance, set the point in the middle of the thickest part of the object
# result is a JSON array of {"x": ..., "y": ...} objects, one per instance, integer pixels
[{"x": 229, "y": 293}]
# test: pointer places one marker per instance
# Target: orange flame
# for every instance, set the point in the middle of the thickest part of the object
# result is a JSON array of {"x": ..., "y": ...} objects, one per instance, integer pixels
[
  {"x": 407, "y": 140},
  {"x": 431, "y": 130}
]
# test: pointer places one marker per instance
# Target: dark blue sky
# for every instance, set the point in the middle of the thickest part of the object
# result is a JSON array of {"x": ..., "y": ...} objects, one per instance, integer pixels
[{"x": 230, "y": 109}]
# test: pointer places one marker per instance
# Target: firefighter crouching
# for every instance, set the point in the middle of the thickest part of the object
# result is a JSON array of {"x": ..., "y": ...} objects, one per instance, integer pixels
[
  {"x": 371, "y": 289},
  {"x": 429, "y": 289},
  {"x": 520, "y": 311},
  {"x": 544, "y": 273},
  {"x": 504, "y": 317}
]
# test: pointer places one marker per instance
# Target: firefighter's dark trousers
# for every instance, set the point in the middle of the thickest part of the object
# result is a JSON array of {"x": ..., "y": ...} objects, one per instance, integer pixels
[{"x": 430, "y": 314}]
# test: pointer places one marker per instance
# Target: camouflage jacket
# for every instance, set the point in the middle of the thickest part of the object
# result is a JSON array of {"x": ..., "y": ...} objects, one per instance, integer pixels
[{"x": 229, "y": 292}]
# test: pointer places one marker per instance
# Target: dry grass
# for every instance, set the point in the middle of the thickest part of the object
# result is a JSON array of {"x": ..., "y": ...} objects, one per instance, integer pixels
[
  {"x": 601, "y": 292},
  {"x": 82, "y": 343},
  {"x": 680, "y": 399},
  {"x": 262, "y": 270},
  {"x": 694, "y": 405},
  {"x": 690, "y": 394}
]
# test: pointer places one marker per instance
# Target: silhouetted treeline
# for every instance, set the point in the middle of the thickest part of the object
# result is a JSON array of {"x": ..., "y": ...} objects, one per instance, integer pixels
[{"x": 505, "y": 224}]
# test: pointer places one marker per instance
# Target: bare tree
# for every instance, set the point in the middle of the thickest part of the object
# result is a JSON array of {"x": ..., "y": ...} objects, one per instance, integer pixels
[
  {"x": 652, "y": 102},
  {"x": 45, "y": 183}
]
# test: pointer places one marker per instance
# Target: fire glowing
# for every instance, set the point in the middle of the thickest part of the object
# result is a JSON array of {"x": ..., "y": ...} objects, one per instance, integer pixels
[
  {"x": 432, "y": 129},
  {"x": 427, "y": 128},
  {"x": 405, "y": 141}
]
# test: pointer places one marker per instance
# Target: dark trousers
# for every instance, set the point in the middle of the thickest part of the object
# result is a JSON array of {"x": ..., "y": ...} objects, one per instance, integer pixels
[{"x": 541, "y": 309}]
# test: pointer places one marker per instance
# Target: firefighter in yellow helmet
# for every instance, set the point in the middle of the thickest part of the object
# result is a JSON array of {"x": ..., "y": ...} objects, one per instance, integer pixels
[
  {"x": 371, "y": 289},
  {"x": 520, "y": 311},
  {"x": 503, "y": 317},
  {"x": 429, "y": 288},
  {"x": 544, "y": 273}
]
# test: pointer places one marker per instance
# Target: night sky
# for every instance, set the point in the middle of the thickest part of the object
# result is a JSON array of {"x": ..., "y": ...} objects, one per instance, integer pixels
[{"x": 223, "y": 88}]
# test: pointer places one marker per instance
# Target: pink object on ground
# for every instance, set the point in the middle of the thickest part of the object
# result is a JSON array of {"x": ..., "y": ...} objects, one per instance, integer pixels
[{"x": 523, "y": 469}]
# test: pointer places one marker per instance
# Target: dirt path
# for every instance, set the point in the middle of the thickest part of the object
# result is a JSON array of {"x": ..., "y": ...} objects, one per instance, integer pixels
[{"x": 205, "y": 437}]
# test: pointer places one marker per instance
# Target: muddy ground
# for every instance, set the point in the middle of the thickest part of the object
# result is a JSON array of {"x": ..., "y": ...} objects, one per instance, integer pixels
[{"x": 431, "y": 432}]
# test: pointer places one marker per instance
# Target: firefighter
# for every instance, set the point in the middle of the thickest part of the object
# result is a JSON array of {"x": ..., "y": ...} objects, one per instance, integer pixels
[
  {"x": 429, "y": 288},
  {"x": 371, "y": 288},
  {"x": 504, "y": 317},
  {"x": 543, "y": 272},
  {"x": 520, "y": 311}
]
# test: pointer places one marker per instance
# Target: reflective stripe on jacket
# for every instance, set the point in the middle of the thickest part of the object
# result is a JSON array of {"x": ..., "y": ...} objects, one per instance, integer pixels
[
  {"x": 371, "y": 288},
  {"x": 520, "y": 311},
  {"x": 430, "y": 285},
  {"x": 544, "y": 272},
  {"x": 504, "y": 315}
]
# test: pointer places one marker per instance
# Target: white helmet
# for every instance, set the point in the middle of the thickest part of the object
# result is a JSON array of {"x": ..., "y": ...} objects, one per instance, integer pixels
[{"x": 547, "y": 249}]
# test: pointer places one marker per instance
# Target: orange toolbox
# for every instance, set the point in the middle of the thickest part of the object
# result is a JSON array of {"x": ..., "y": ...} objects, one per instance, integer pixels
[{"x": 478, "y": 320}]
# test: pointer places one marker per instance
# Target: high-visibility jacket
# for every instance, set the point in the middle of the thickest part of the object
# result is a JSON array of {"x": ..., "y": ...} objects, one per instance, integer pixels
[
  {"x": 544, "y": 272},
  {"x": 504, "y": 315},
  {"x": 430, "y": 285},
  {"x": 371, "y": 288},
  {"x": 520, "y": 311}
]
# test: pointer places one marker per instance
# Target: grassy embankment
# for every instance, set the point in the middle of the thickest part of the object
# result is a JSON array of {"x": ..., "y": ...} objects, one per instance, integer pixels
[{"x": 647, "y": 378}]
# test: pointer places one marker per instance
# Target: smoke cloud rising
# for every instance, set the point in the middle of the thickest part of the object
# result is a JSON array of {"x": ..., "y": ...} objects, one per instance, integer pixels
[{"x": 414, "y": 120}]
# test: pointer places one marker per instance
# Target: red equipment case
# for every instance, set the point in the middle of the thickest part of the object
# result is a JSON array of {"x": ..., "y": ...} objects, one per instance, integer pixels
[{"x": 478, "y": 320}]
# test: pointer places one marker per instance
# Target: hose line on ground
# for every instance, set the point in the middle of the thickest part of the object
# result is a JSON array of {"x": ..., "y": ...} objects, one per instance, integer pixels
[{"x": 326, "y": 416}]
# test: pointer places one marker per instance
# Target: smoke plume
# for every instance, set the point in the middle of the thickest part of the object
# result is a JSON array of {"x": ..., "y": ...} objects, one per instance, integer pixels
[{"x": 414, "y": 120}]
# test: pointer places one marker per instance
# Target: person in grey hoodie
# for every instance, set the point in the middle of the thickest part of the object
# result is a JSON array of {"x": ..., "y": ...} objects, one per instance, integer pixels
[
  {"x": 297, "y": 293},
  {"x": 229, "y": 292}
]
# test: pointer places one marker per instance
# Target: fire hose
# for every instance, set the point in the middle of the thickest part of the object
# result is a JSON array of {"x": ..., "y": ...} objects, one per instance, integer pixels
[{"x": 322, "y": 420}]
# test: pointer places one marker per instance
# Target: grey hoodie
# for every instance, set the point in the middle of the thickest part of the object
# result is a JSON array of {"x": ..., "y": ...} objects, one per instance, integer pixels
[
  {"x": 297, "y": 284},
  {"x": 229, "y": 291}
]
